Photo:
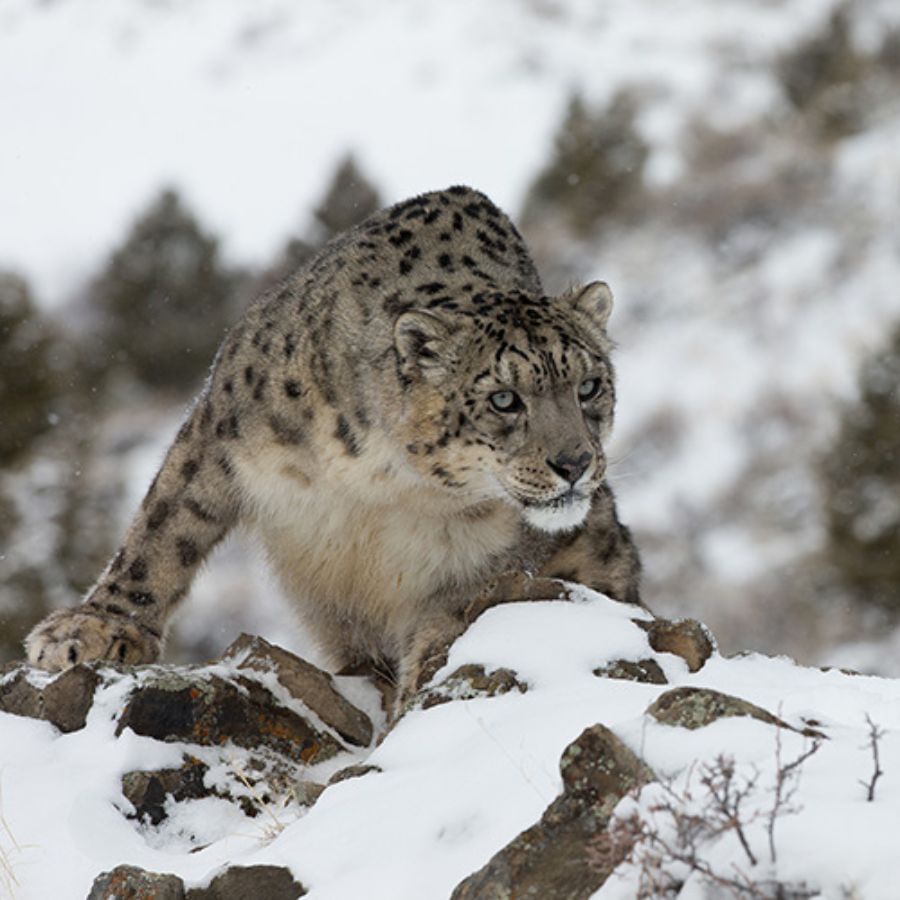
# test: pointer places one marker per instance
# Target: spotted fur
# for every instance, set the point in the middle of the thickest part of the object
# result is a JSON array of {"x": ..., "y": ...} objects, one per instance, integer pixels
[{"x": 353, "y": 418}]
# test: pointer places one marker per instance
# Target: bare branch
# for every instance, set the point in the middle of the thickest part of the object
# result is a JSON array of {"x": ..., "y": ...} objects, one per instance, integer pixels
[
  {"x": 670, "y": 841},
  {"x": 727, "y": 796},
  {"x": 787, "y": 776},
  {"x": 875, "y": 735}
]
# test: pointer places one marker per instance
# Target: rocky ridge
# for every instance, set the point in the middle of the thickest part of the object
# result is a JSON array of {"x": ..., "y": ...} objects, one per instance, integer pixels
[
  {"x": 298, "y": 735},
  {"x": 288, "y": 714}
]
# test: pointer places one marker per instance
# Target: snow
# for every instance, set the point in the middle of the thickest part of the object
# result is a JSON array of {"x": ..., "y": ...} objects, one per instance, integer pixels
[
  {"x": 246, "y": 108},
  {"x": 460, "y": 780}
]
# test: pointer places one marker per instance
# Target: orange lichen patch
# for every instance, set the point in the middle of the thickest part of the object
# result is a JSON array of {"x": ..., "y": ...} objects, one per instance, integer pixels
[
  {"x": 219, "y": 711},
  {"x": 308, "y": 751}
]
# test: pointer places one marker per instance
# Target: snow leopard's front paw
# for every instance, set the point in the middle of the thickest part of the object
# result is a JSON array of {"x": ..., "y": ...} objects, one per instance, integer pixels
[
  {"x": 87, "y": 633},
  {"x": 426, "y": 653}
]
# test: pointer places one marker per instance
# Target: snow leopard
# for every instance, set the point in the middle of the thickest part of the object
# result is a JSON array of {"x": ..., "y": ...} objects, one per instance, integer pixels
[{"x": 403, "y": 421}]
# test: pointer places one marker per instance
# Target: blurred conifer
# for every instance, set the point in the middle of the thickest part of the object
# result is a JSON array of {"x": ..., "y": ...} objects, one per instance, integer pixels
[
  {"x": 164, "y": 297},
  {"x": 28, "y": 379},
  {"x": 349, "y": 198},
  {"x": 861, "y": 478},
  {"x": 824, "y": 78},
  {"x": 597, "y": 167}
]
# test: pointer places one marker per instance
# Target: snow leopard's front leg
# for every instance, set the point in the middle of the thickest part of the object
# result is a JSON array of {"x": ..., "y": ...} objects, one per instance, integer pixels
[
  {"x": 427, "y": 645},
  {"x": 190, "y": 506}
]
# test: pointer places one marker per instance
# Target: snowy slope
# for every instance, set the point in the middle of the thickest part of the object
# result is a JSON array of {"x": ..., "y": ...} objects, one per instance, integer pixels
[
  {"x": 729, "y": 380},
  {"x": 459, "y": 781},
  {"x": 247, "y": 106}
]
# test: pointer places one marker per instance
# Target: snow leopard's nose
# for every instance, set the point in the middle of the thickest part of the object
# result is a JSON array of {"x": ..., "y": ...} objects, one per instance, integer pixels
[{"x": 570, "y": 466}]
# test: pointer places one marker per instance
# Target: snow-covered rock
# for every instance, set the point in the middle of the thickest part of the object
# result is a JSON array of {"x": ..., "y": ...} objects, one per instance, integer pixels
[{"x": 585, "y": 755}]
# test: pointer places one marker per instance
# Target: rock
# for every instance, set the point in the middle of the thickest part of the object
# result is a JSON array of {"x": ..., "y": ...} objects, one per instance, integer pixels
[
  {"x": 694, "y": 707},
  {"x": 686, "y": 638},
  {"x": 18, "y": 695},
  {"x": 209, "y": 707},
  {"x": 471, "y": 681},
  {"x": 64, "y": 699},
  {"x": 148, "y": 792},
  {"x": 352, "y": 772},
  {"x": 552, "y": 860},
  {"x": 132, "y": 883},
  {"x": 69, "y": 696},
  {"x": 243, "y": 882},
  {"x": 235, "y": 883},
  {"x": 304, "y": 682},
  {"x": 204, "y": 709},
  {"x": 647, "y": 671},
  {"x": 306, "y": 792},
  {"x": 195, "y": 706}
]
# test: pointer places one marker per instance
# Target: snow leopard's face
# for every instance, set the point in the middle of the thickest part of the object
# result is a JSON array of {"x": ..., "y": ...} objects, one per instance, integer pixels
[{"x": 514, "y": 400}]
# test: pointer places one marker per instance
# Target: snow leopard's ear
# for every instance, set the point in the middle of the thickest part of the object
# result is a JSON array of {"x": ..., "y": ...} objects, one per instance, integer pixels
[
  {"x": 595, "y": 300},
  {"x": 424, "y": 344}
]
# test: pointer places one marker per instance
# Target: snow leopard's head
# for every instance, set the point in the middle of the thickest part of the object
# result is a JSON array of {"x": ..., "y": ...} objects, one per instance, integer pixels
[{"x": 511, "y": 396}]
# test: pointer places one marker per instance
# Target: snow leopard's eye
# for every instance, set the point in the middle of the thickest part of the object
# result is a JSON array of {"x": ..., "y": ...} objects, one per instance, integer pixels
[
  {"x": 588, "y": 389},
  {"x": 506, "y": 401}
]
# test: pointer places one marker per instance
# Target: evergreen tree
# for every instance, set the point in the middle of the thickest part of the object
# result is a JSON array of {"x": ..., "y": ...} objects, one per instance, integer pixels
[
  {"x": 597, "y": 166},
  {"x": 28, "y": 380},
  {"x": 164, "y": 298},
  {"x": 824, "y": 78},
  {"x": 861, "y": 479},
  {"x": 348, "y": 200}
]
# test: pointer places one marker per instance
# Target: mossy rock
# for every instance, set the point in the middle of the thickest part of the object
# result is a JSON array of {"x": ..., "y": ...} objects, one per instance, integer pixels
[
  {"x": 696, "y": 707},
  {"x": 471, "y": 681},
  {"x": 210, "y": 711},
  {"x": 645, "y": 671},
  {"x": 553, "y": 858}
]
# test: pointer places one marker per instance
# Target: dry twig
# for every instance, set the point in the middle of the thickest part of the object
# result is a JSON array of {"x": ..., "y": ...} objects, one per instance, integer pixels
[
  {"x": 673, "y": 843},
  {"x": 787, "y": 777},
  {"x": 7, "y": 876},
  {"x": 875, "y": 735}
]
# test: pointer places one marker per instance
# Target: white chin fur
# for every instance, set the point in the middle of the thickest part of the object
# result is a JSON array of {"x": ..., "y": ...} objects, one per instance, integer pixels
[{"x": 558, "y": 518}]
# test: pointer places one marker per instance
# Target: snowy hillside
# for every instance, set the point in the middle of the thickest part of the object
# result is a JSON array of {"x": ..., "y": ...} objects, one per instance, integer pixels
[
  {"x": 755, "y": 268},
  {"x": 454, "y": 783},
  {"x": 246, "y": 106}
]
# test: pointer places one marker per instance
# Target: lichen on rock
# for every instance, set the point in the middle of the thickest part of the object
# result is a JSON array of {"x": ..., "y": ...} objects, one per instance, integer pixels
[
  {"x": 209, "y": 710},
  {"x": 133, "y": 883},
  {"x": 696, "y": 707},
  {"x": 552, "y": 858},
  {"x": 469, "y": 682},
  {"x": 305, "y": 683},
  {"x": 646, "y": 671}
]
